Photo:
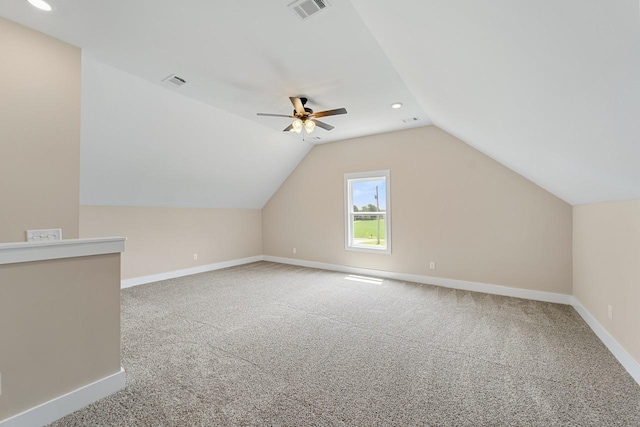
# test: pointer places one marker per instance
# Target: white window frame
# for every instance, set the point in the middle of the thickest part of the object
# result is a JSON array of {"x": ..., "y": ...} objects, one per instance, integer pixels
[{"x": 348, "y": 209}]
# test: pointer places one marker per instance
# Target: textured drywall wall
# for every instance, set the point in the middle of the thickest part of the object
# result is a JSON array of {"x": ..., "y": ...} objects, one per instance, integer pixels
[
  {"x": 161, "y": 240},
  {"x": 478, "y": 220},
  {"x": 606, "y": 267},
  {"x": 59, "y": 328},
  {"x": 39, "y": 133}
]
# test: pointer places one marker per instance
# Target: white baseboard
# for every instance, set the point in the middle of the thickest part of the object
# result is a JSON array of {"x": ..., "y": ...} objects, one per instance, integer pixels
[
  {"x": 57, "y": 408},
  {"x": 187, "y": 271},
  {"x": 625, "y": 359},
  {"x": 438, "y": 281}
]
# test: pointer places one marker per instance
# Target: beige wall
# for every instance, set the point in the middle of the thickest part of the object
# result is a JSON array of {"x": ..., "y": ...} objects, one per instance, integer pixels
[
  {"x": 59, "y": 328},
  {"x": 39, "y": 133},
  {"x": 606, "y": 267},
  {"x": 451, "y": 204},
  {"x": 160, "y": 240}
]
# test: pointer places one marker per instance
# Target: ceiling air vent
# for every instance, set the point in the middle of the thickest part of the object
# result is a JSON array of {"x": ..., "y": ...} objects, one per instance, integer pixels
[
  {"x": 173, "y": 80},
  {"x": 307, "y": 8},
  {"x": 410, "y": 120}
]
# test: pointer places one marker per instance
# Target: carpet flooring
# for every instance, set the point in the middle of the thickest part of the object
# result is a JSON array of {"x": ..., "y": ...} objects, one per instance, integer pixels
[{"x": 269, "y": 344}]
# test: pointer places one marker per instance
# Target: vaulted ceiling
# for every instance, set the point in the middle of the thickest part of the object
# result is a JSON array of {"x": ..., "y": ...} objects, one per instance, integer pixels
[{"x": 551, "y": 89}]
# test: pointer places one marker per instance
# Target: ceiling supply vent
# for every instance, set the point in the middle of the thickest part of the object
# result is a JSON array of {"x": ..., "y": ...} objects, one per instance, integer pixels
[
  {"x": 410, "y": 120},
  {"x": 307, "y": 8},
  {"x": 174, "y": 80}
]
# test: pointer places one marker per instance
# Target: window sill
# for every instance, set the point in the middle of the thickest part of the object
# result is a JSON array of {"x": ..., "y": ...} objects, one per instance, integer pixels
[{"x": 368, "y": 250}]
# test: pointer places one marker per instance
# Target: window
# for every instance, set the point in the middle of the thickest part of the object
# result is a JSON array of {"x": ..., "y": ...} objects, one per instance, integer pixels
[{"x": 367, "y": 212}]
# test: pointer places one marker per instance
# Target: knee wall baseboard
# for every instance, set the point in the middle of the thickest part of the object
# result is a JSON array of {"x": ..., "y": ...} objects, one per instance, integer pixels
[
  {"x": 127, "y": 283},
  {"x": 68, "y": 403},
  {"x": 429, "y": 280},
  {"x": 625, "y": 359}
]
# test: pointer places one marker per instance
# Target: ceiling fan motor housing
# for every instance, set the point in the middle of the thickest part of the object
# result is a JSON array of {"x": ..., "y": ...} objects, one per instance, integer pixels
[{"x": 309, "y": 111}]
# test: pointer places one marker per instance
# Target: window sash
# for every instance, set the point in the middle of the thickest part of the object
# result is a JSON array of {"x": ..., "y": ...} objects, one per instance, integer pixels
[
  {"x": 369, "y": 213},
  {"x": 350, "y": 214}
]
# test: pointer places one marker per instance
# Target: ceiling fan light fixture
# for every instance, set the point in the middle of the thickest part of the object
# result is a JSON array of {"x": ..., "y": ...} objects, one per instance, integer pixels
[
  {"x": 305, "y": 118},
  {"x": 309, "y": 125},
  {"x": 396, "y": 105},
  {"x": 40, "y": 4},
  {"x": 297, "y": 125}
]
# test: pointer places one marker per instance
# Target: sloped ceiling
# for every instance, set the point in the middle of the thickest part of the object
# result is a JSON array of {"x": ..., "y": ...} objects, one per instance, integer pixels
[
  {"x": 146, "y": 146},
  {"x": 550, "y": 89}
]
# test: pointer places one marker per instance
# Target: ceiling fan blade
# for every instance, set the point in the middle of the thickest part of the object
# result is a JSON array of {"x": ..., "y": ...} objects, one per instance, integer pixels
[
  {"x": 329, "y": 113},
  {"x": 288, "y": 128},
  {"x": 275, "y": 115},
  {"x": 323, "y": 125},
  {"x": 297, "y": 104}
]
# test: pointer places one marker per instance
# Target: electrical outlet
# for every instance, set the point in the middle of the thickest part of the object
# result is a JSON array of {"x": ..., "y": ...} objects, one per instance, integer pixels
[
  {"x": 432, "y": 265},
  {"x": 44, "y": 235},
  {"x": 295, "y": 251},
  {"x": 610, "y": 312},
  {"x": 195, "y": 257}
]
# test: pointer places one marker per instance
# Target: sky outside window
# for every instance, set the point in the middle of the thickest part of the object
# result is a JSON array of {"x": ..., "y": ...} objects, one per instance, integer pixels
[{"x": 364, "y": 193}]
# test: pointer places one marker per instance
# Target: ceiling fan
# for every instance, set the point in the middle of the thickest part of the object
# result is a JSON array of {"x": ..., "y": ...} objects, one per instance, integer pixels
[{"x": 305, "y": 117}]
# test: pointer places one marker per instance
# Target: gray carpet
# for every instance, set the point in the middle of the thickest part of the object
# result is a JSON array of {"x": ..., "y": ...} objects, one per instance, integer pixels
[{"x": 270, "y": 344}]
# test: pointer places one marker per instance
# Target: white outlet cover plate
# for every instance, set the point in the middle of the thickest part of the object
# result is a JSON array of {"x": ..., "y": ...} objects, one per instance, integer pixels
[{"x": 44, "y": 235}]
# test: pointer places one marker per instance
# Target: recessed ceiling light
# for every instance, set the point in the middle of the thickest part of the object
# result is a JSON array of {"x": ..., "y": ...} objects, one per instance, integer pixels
[
  {"x": 395, "y": 105},
  {"x": 41, "y": 4}
]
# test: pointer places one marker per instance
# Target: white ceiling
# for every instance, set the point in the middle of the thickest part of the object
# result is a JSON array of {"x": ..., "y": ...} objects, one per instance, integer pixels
[
  {"x": 146, "y": 146},
  {"x": 244, "y": 56},
  {"x": 550, "y": 88}
]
